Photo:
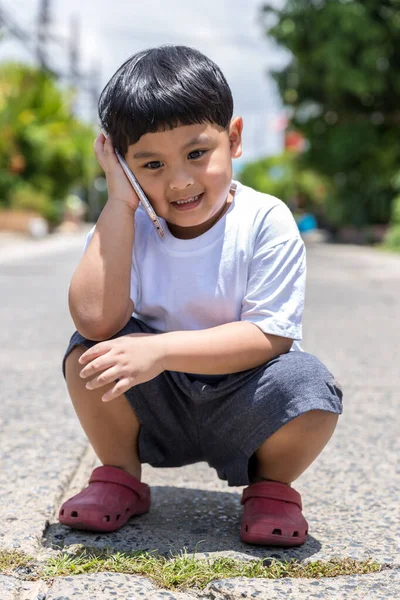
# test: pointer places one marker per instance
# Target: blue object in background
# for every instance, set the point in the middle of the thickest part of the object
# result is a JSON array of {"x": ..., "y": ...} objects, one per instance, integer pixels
[{"x": 306, "y": 222}]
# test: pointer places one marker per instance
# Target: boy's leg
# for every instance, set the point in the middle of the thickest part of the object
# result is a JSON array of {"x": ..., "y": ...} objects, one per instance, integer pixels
[
  {"x": 134, "y": 428},
  {"x": 272, "y": 508},
  {"x": 114, "y": 493},
  {"x": 111, "y": 427},
  {"x": 273, "y": 422},
  {"x": 290, "y": 451},
  {"x": 272, "y": 512}
]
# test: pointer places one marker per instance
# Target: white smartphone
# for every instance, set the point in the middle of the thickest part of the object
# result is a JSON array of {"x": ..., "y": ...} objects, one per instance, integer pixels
[{"x": 136, "y": 186}]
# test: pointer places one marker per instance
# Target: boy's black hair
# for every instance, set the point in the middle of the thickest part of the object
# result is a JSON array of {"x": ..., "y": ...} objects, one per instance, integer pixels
[{"x": 161, "y": 88}]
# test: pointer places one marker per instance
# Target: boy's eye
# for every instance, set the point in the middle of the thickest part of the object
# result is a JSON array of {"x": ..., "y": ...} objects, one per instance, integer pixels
[
  {"x": 154, "y": 164},
  {"x": 157, "y": 164},
  {"x": 196, "y": 154}
]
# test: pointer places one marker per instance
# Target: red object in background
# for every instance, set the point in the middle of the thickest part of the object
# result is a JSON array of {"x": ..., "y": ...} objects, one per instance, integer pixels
[
  {"x": 294, "y": 141},
  {"x": 17, "y": 163},
  {"x": 279, "y": 122}
]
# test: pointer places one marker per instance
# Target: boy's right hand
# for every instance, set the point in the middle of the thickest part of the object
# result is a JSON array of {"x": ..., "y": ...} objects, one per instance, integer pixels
[{"x": 119, "y": 187}]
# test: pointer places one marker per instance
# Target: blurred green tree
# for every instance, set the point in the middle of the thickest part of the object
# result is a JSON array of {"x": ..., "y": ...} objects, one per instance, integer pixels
[
  {"x": 342, "y": 85},
  {"x": 281, "y": 176},
  {"x": 392, "y": 238},
  {"x": 43, "y": 146}
]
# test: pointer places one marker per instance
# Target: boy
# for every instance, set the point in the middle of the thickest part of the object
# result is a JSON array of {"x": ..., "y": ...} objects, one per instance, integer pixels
[{"x": 188, "y": 348}]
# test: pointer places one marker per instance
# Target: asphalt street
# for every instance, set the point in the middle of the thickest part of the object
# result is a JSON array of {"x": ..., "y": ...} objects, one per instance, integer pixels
[{"x": 350, "y": 494}]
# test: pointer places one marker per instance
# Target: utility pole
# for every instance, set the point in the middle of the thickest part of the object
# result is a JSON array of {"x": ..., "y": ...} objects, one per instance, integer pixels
[
  {"x": 74, "y": 57},
  {"x": 73, "y": 47},
  {"x": 37, "y": 44},
  {"x": 94, "y": 89},
  {"x": 44, "y": 21}
]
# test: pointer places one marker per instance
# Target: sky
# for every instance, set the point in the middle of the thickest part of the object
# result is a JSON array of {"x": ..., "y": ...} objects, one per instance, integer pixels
[{"x": 228, "y": 31}]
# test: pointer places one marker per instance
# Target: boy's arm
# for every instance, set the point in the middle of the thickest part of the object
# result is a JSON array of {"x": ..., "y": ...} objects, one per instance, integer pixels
[
  {"x": 99, "y": 293},
  {"x": 220, "y": 350}
]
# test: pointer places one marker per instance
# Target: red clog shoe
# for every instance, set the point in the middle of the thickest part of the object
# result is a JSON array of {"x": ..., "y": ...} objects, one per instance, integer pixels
[
  {"x": 107, "y": 503},
  {"x": 272, "y": 515}
]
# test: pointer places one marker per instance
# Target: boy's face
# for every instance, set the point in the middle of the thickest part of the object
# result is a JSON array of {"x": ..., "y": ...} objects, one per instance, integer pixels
[{"x": 189, "y": 162}]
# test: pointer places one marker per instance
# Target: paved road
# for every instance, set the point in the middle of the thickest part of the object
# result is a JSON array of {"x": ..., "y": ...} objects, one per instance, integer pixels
[{"x": 350, "y": 494}]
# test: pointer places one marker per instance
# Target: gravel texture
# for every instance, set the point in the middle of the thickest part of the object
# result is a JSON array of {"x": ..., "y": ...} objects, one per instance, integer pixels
[
  {"x": 367, "y": 587},
  {"x": 15, "y": 589}
]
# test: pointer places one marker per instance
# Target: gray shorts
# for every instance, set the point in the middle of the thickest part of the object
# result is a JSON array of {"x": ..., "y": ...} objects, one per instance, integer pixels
[{"x": 222, "y": 420}]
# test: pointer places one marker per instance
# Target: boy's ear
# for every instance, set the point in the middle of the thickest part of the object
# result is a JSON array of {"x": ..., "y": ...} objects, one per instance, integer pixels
[{"x": 235, "y": 137}]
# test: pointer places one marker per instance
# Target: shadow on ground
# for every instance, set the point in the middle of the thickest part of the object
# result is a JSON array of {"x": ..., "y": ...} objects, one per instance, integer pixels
[{"x": 198, "y": 520}]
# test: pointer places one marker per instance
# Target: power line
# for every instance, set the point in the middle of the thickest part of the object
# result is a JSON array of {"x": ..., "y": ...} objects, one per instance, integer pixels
[
  {"x": 8, "y": 24},
  {"x": 74, "y": 57},
  {"x": 38, "y": 42}
]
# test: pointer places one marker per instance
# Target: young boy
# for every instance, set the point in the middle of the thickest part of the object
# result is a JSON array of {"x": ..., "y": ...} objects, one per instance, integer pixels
[{"x": 186, "y": 347}]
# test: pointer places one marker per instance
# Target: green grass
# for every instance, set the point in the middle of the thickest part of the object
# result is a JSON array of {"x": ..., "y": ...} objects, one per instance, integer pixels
[
  {"x": 180, "y": 571},
  {"x": 13, "y": 559},
  {"x": 385, "y": 249}
]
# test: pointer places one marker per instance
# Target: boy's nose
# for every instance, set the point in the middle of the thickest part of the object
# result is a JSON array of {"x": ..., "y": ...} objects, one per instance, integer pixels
[{"x": 180, "y": 180}]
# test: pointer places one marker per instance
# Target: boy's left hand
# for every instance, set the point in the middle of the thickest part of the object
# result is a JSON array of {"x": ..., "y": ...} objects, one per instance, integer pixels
[{"x": 128, "y": 360}]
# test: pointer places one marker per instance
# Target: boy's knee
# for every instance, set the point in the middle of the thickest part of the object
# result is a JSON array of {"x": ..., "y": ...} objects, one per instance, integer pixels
[
  {"x": 312, "y": 425},
  {"x": 313, "y": 422}
]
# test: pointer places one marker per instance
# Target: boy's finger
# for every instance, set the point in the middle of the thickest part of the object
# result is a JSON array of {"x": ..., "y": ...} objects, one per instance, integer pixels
[
  {"x": 96, "y": 366},
  {"x": 92, "y": 353},
  {"x": 104, "y": 378},
  {"x": 121, "y": 386},
  {"x": 108, "y": 146},
  {"x": 99, "y": 145},
  {"x": 104, "y": 152},
  {"x": 102, "y": 142}
]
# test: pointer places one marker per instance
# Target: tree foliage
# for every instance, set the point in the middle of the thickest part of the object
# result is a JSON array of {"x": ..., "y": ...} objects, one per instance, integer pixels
[
  {"x": 43, "y": 146},
  {"x": 342, "y": 85},
  {"x": 280, "y": 176}
]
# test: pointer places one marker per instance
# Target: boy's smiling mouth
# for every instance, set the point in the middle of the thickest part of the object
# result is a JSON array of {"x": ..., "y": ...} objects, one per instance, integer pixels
[{"x": 188, "y": 203}]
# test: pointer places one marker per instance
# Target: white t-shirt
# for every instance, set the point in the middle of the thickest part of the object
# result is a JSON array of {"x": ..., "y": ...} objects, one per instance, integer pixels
[{"x": 250, "y": 266}]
